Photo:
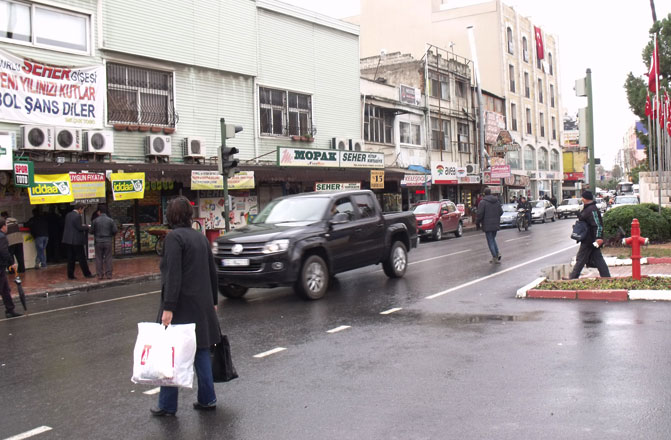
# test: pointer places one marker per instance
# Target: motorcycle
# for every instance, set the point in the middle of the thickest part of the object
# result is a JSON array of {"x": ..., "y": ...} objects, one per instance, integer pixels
[{"x": 522, "y": 220}]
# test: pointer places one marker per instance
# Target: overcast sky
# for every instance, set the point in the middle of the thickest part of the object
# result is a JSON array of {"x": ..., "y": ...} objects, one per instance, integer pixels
[{"x": 607, "y": 37}]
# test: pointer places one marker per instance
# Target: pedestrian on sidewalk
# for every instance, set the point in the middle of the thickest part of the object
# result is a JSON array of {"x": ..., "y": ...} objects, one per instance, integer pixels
[
  {"x": 39, "y": 229},
  {"x": 6, "y": 261},
  {"x": 75, "y": 239},
  {"x": 15, "y": 239},
  {"x": 590, "y": 247},
  {"x": 489, "y": 219},
  {"x": 189, "y": 294},
  {"x": 103, "y": 229}
]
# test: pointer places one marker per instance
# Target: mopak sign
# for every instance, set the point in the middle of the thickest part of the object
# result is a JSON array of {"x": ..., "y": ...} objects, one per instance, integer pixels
[
  {"x": 127, "y": 186},
  {"x": 51, "y": 188}
]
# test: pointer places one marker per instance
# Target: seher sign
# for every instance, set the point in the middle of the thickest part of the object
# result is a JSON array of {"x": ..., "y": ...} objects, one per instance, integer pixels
[{"x": 301, "y": 157}]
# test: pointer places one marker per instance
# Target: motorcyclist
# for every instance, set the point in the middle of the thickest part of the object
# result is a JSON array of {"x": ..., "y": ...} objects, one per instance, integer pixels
[{"x": 524, "y": 204}]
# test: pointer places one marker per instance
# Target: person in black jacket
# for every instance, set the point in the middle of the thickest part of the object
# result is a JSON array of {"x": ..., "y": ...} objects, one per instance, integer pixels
[
  {"x": 526, "y": 205},
  {"x": 39, "y": 229},
  {"x": 189, "y": 294},
  {"x": 75, "y": 238},
  {"x": 6, "y": 261},
  {"x": 103, "y": 229},
  {"x": 489, "y": 219},
  {"x": 590, "y": 247}
]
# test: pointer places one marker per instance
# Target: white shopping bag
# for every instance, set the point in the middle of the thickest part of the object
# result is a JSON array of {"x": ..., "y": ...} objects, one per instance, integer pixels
[{"x": 164, "y": 356}]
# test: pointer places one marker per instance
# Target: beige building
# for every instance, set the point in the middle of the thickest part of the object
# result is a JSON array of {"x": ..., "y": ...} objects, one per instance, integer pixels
[{"x": 509, "y": 67}]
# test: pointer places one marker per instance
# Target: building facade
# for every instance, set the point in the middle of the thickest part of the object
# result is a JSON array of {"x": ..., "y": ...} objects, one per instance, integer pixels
[{"x": 633, "y": 151}]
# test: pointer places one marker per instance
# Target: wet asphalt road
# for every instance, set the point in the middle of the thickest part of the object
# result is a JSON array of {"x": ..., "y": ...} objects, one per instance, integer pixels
[{"x": 472, "y": 363}]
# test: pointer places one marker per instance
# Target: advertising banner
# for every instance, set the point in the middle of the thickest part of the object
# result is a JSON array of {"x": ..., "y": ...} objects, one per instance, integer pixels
[
  {"x": 212, "y": 180},
  {"x": 23, "y": 174},
  {"x": 51, "y": 188},
  {"x": 337, "y": 186},
  {"x": 35, "y": 93},
  {"x": 7, "y": 141},
  {"x": 500, "y": 171},
  {"x": 416, "y": 180},
  {"x": 303, "y": 157},
  {"x": 127, "y": 186},
  {"x": 494, "y": 123},
  {"x": 241, "y": 180},
  {"x": 444, "y": 172},
  {"x": 376, "y": 179},
  {"x": 88, "y": 187},
  {"x": 489, "y": 180}
]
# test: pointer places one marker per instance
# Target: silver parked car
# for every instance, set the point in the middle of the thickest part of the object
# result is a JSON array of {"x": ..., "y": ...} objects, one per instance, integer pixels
[
  {"x": 601, "y": 204},
  {"x": 625, "y": 200},
  {"x": 509, "y": 216},
  {"x": 542, "y": 210},
  {"x": 569, "y": 207}
]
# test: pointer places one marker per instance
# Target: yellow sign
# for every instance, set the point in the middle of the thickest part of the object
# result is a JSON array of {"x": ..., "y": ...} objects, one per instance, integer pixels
[
  {"x": 376, "y": 179},
  {"x": 51, "y": 188},
  {"x": 212, "y": 180},
  {"x": 242, "y": 180},
  {"x": 126, "y": 186}
]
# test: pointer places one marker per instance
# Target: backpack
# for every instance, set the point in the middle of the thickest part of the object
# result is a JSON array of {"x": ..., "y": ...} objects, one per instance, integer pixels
[{"x": 580, "y": 231}]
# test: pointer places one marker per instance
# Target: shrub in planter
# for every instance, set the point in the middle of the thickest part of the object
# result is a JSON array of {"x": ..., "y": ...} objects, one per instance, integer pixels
[{"x": 654, "y": 225}]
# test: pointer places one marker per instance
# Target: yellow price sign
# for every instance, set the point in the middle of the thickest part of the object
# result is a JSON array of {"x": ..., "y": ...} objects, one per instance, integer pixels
[{"x": 376, "y": 179}]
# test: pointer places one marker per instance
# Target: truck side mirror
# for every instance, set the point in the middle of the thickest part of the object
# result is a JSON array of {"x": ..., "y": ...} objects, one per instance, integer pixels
[{"x": 339, "y": 218}]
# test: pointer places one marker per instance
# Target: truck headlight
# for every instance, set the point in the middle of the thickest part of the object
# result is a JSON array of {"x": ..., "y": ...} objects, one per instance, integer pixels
[
  {"x": 215, "y": 248},
  {"x": 427, "y": 222},
  {"x": 275, "y": 246}
]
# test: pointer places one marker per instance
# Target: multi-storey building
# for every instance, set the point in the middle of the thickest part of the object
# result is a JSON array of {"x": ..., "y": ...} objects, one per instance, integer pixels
[
  {"x": 633, "y": 150},
  {"x": 518, "y": 62}
]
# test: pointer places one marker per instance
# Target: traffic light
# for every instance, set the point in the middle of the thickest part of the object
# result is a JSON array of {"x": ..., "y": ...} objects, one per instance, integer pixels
[
  {"x": 231, "y": 129},
  {"x": 227, "y": 163}
]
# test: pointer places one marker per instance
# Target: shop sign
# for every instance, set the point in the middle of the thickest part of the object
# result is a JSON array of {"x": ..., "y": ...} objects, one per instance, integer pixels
[
  {"x": 241, "y": 180},
  {"x": 337, "y": 186},
  {"x": 36, "y": 93},
  {"x": 505, "y": 143},
  {"x": 444, "y": 172},
  {"x": 462, "y": 172},
  {"x": 489, "y": 180},
  {"x": 376, "y": 179},
  {"x": 127, "y": 186},
  {"x": 206, "y": 180},
  {"x": 416, "y": 180},
  {"x": 469, "y": 179},
  {"x": 500, "y": 171},
  {"x": 410, "y": 95},
  {"x": 51, "y": 188},
  {"x": 574, "y": 176},
  {"x": 301, "y": 157},
  {"x": 7, "y": 141},
  {"x": 23, "y": 174},
  {"x": 518, "y": 180},
  {"x": 88, "y": 187},
  {"x": 494, "y": 123}
]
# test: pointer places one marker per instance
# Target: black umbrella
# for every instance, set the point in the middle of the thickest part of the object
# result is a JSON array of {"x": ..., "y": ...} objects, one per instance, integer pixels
[{"x": 22, "y": 294}]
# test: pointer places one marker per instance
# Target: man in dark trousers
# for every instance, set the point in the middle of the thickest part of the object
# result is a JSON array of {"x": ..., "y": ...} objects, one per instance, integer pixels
[
  {"x": 15, "y": 239},
  {"x": 6, "y": 261},
  {"x": 590, "y": 247},
  {"x": 553, "y": 200},
  {"x": 39, "y": 229},
  {"x": 489, "y": 219},
  {"x": 103, "y": 229},
  {"x": 75, "y": 238}
]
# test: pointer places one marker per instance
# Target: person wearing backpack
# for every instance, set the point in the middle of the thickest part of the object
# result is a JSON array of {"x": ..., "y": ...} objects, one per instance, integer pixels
[{"x": 590, "y": 245}]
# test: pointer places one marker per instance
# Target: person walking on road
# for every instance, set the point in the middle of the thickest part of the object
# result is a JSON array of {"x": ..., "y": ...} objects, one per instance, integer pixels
[
  {"x": 189, "y": 294},
  {"x": 553, "y": 200},
  {"x": 489, "y": 219},
  {"x": 39, "y": 229},
  {"x": 75, "y": 238},
  {"x": 103, "y": 229},
  {"x": 590, "y": 247},
  {"x": 15, "y": 239},
  {"x": 6, "y": 261}
]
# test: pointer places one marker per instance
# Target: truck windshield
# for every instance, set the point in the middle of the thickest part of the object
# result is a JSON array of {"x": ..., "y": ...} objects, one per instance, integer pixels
[{"x": 298, "y": 209}]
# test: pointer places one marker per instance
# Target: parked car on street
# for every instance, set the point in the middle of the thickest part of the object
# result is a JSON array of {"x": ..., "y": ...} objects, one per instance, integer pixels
[
  {"x": 303, "y": 240},
  {"x": 569, "y": 207},
  {"x": 434, "y": 219},
  {"x": 625, "y": 200},
  {"x": 509, "y": 216},
  {"x": 542, "y": 211},
  {"x": 601, "y": 204}
]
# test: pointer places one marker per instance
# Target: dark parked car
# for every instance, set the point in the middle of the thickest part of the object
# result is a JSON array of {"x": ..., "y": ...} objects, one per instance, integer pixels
[
  {"x": 305, "y": 239},
  {"x": 436, "y": 218}
]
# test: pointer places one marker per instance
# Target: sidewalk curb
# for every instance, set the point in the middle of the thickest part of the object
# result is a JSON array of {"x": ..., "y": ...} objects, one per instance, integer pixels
[
  {"x": 85, "y": 287},
  {"x": 522, "y": 291}
]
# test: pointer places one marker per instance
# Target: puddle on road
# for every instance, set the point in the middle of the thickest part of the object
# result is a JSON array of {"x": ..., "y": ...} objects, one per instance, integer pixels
[{"x": 450, "y": 319}]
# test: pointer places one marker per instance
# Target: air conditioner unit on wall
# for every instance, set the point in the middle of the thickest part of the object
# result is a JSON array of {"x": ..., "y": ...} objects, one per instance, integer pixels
[
  {"x": 156, "y": 145},
  {"x": 339, "y": 144},
  {"x": 68, "y": 139},
  {"x": 37, "y": 137},
  {"x": 98, "y": 142},
  {"x": 472, "y": 168},
  {"x": 194, "y": 147},
  {"x": 356, "y": 144}
]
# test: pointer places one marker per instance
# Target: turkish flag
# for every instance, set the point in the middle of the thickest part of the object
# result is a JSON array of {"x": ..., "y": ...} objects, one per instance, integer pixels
[
  {"x": 668, "y": 127},
  {"x": 540, "y": 51},
  {"x": 648, "y": 107},
  {"x": 653, "y": 74}
]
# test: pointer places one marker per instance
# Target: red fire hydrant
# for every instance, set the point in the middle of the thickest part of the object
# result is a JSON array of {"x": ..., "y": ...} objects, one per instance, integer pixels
[{"x": 635, "y": 241}]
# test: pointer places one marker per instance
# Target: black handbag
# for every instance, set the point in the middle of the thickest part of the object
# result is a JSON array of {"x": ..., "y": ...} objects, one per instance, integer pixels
[{"x": 222, "y": 363}]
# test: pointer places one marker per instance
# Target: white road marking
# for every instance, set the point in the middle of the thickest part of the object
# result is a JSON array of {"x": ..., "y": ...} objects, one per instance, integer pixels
[
  {"x": 338, "y": 329},
  {"x": 395, "y": 309},
  {"x": 440, "y": 256},
  {"x": 85, "y": 305},
  {"x": 30, "y": 433},
  {"x": 519, "y": 238},
  {"x": 269, "y": 352},
  {"x": 152, "y": 391},
  {"x": 461, "y": 286}
]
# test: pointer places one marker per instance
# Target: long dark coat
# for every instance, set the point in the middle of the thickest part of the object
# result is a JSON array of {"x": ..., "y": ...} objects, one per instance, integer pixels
[
  {"x": 74, "y": 232},
  {"x": 489, "y": 213},
  {"x": 189, "y": 283}
]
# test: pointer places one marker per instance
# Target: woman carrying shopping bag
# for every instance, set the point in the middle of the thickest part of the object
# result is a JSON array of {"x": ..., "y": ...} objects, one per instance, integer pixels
[{"x": 189, "y": 295}]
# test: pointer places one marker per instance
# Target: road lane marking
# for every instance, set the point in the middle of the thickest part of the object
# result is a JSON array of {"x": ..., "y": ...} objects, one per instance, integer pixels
[
  {"x": 28, "y": 315},
  {"x": 269, "y": 352},
  {"x": 152, "y": 391},
  {"x": 461, "y": 286},
  {"x": 30, "y": 433},
  {"x": 440, "y": 256},
  {"x": 338, "y": 329},
  {"x": 395, "y": 309},
  {"x": 519, "y": 238}
]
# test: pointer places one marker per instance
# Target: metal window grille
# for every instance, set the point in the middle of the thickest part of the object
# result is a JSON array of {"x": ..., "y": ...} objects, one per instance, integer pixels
[{"x": 140, "y": 96}]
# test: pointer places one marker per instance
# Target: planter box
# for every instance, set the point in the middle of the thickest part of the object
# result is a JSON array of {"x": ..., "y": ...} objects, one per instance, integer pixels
[
  {"x": 604, "y": 295},
  {"x": 552, "y": 294}
]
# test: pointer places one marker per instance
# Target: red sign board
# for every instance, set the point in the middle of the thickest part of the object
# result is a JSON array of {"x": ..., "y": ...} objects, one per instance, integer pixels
[
  {"x": 500, "y": 171},
  {"x": 574, "y": 176}
]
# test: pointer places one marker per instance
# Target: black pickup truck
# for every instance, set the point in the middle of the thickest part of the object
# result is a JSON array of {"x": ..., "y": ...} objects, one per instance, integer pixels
[{"x": 305, "y": 239}]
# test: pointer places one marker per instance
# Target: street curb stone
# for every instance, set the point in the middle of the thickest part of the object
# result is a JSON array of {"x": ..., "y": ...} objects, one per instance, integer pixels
[{"x": 97, "y": 285}]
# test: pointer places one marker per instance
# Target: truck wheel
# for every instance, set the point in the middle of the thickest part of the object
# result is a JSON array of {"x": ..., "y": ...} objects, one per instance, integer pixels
[
  {"x": 232, "y": 291},
  {"x": 459, "y": 231},
  {"x": 438, "y": 232},
  {"x": 397, "y": 263},
  {"x": 313, "y": 278}
]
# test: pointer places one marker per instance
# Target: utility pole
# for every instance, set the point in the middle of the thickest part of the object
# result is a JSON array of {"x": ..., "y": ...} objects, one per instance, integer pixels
[{"x": 590, "y": 131}]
